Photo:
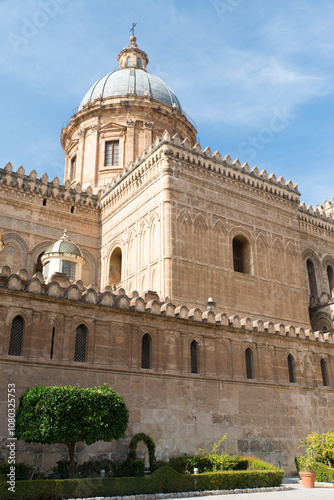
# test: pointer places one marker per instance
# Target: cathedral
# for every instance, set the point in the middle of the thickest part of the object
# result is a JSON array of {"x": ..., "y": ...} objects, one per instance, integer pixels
[{"x": 197, "y": 287}]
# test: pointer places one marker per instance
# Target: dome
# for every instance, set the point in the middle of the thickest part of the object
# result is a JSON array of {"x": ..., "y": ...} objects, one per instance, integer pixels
[
  {"x": 64, "y": 245},
  {"x": 131, "y": 81}
]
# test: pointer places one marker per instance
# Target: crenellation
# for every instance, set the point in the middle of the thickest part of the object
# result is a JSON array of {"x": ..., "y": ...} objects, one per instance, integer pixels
[
  {"x": 151, "y": 303},
  {"x": 43, "y": 188}
]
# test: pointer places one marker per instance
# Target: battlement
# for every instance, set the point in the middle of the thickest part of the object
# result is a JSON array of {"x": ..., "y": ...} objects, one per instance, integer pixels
[
  {"x": 147, "y": 303},
  {"x": 320, "y": 216},
  {"x": 53, "y": 190},
  {"x": 213, "y": 163}
]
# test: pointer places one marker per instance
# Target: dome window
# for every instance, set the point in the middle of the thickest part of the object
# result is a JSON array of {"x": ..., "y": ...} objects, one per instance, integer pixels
[
  {"x": 69, "y": 268},
  {"x": 111, "y": 156},
  {"x": 46, "y": 269},
  {"x": 129, "y": 62},
  {"x": 138, "y": 62}
]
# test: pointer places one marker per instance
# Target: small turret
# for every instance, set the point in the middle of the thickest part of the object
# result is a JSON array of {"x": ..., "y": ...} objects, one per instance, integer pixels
[{"x": 63, "y": 257}]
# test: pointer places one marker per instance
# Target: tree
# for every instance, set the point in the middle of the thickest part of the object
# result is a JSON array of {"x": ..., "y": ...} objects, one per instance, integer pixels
[{"x": 69, "y": 414}]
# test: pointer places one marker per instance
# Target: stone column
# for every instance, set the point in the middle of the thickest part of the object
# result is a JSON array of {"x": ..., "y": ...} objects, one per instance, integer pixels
[
  {"x": 148, "y": 134},
  {"x": 130, "y": 141}
]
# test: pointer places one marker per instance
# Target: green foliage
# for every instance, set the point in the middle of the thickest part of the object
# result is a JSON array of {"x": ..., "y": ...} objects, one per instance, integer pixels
[
  {"x": 216, "y": 458},
  {"x": 113, "y": 468},
  {"x": 70, "y": 414},
  {"x": 23, "y": 471},
  {"x": 256, "y": 464},
  {"x": 324, "y": 473},
  {"x": 150, "y": 448},
  {"x": 163, "y": 480},
  {"x": 320, "y": 446},
  {"x": 185, "y": 464}
]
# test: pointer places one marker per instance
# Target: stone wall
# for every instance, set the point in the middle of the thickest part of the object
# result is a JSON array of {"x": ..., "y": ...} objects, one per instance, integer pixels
[{"x": 264, "y": 416}]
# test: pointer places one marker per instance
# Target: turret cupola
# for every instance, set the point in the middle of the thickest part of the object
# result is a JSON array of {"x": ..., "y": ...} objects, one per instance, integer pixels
[
  {"x": 132, "y": 57},
  {"x": 64, "y": 257}
]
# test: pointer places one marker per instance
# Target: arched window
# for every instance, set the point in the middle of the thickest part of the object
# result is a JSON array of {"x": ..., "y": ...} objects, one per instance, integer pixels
[
  {"x": 312, "y": 278},
  {"x": 324, "y": 372},
  {"x": 80, "y": 344},
  {"x": 115, "y": 267},
  {"x": 138, "y": 63},
  {"x": 38, "y": 268},
  {"x": 129, "y": 62},
  {"x": 330, "y": 276},
  {"x": 16, "y": 337},
  {"x": 194, "y": 357},
  {"x": 242, "y": 255},
  {"x": 249, "y": 363},
  {"x": 291, "y": 366},
  {"x": 146, "y": 352}
]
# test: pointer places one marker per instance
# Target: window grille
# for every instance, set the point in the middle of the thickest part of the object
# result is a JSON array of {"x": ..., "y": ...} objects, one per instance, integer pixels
[
  {"x": 16, "y": 336},
  {"x": 292, "y": 378},
  {"x": 249, "y": 363},
  {"x": 324, "y": 372},
  {"x": 111, "y": 156},
  {"x": 68, "y": 268},
  {"x": 80, "y": 344},
  {"x": 146, "y": 352},
  {"x": 194, "y": 356}
]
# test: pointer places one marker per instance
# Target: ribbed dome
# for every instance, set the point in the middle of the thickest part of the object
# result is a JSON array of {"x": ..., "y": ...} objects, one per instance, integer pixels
[
  {"x": 131, "y": 81},
  {"x": 64, "y": 245}
]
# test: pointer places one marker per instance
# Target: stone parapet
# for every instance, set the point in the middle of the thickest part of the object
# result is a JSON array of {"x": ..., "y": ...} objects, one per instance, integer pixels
[
  {"x": 220, "y": 168},
  {"x": 145, "y": 305},
  {"x": 53, "y": 190}
]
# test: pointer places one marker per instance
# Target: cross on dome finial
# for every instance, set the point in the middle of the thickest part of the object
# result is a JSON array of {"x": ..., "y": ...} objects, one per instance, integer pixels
[
  {"x": 133, "y": 28},
  {"x": 64, "y": 237},
  {"x": 133, "y": 39}
]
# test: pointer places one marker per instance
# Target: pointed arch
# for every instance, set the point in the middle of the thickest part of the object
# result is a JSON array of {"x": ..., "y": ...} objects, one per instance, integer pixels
[
  {"x": 132, "y": 253},
  {"x": 184, "y": 217},
  {"x": 184, "y": 237},
  {"x": 291, "y": 249},
  {"x": 115, "y": 267},
  {"x": 219, "y": 227},
  {"x": 220, "y": 242},
  {"x": 120, "y": 340},
  {"x": 172, "y": 350},
  {"x": 224, "y": 359},
  {"x": 155, "y": 238},
  {"x": 199, "y": 222},
  {"x": 268, "y": 364},
  {"x": 144, "y": 243}
]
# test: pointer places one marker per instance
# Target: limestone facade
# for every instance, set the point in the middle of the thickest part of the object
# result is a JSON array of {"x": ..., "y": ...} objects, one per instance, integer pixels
[{"x": 162, "y": 225}]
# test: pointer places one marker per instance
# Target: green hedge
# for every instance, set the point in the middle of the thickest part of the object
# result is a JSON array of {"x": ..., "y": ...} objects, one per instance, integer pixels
[
  {"x": 325, "y": 474},
  {"x": 164, "y": 480}
]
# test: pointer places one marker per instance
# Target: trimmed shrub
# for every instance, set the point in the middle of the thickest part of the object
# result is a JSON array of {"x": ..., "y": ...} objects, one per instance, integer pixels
[
  {"x": 325, "y": 474},
  {"x": 163, "y": 480},
  {"x": 23, "y": 471},
  {"x": 185, "y": 464}
]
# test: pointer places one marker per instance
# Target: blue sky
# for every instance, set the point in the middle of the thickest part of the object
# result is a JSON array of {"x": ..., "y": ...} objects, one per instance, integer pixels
[{"x": 255, "y": 76}]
